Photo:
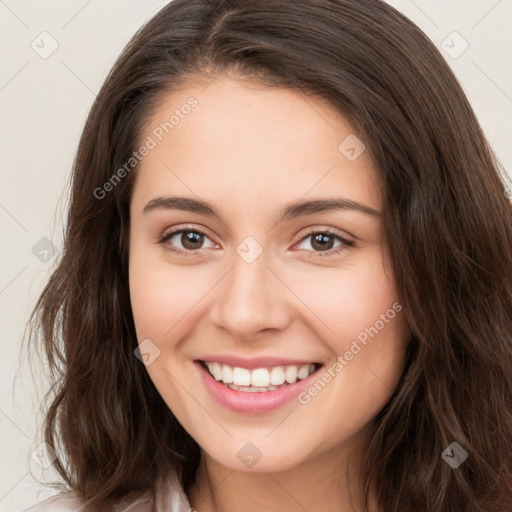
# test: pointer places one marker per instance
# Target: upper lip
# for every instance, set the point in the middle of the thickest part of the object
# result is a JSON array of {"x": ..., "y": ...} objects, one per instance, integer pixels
[{"x": 256, "y": 362}]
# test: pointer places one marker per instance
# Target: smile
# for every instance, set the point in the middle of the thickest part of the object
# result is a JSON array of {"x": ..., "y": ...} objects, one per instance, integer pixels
[
  {"x": 259, "y": 379},
  {"x": 257, "y": 390}
]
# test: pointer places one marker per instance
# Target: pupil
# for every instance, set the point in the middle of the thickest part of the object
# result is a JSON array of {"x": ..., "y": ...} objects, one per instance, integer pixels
[
  {"x": 190, "y": 240},
  {"x": 321, "y": 238}
]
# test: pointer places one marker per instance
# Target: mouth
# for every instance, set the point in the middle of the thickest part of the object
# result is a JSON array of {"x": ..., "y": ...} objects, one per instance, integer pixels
[
  {"x": 256, "y": 390},
  {"x": 258, "y": 380}
]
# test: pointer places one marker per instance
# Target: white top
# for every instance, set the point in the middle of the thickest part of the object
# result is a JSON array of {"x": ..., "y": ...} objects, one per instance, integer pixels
[
  {"x": 171, "y": 499},
  {"x": 69, "y": 502}
]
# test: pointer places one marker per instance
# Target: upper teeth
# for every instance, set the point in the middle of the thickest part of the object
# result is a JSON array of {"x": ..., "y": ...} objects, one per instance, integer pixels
[{"x": 260, "y": 377}]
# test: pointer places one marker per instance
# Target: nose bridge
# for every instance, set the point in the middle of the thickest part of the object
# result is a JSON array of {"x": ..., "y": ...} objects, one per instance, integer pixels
[{"x": 250, "y": 297}]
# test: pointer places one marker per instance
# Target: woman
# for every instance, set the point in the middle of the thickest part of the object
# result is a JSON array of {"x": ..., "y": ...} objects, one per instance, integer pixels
[{"x": 286, "y": 282}]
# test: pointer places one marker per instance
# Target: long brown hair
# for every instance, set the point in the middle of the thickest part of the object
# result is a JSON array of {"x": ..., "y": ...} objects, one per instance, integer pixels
[{"x": 447, "y": 222}]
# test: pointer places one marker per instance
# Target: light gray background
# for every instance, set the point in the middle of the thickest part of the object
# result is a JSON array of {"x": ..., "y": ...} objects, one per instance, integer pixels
[{"x": 44, "y": 103}]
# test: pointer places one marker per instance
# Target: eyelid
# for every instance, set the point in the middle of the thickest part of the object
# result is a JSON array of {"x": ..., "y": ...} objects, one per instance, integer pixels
[
  {"x": 326, "y": 229},
  {"x": 345, "y": 242},
  {"x": 186, "y": 227}
]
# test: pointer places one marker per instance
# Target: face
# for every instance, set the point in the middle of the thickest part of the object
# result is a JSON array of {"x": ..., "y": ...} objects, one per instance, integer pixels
[{"x": 238, "y": 273}]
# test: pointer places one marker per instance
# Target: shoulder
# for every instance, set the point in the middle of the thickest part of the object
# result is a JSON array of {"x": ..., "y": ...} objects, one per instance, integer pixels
[
  {"x": 70, "y": 502},
  {"x": 170, "y": 497}
]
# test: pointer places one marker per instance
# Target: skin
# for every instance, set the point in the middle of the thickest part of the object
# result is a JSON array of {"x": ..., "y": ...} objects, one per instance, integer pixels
[{"x": 249, "y": 150}]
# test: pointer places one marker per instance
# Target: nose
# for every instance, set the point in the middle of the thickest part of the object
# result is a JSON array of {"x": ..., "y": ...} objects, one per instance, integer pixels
[{"x": 251, "y": 298}]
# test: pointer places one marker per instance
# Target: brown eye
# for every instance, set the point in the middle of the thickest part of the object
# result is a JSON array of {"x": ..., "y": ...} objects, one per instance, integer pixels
[
  {"x": 323, "y": 242},
  {"x": 191, "y": 240},
  {"x": 185, "y": 241}
]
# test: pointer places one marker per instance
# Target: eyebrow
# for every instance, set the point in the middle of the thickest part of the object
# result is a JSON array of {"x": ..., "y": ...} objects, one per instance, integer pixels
[{"x": 291, "y": 210}]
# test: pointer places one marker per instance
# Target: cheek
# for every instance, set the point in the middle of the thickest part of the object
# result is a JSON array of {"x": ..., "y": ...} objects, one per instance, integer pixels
[
  {"x": 164, "y": 300},
  {"x": 343, "y": 301},
  {"x": 161, "y": 294}
]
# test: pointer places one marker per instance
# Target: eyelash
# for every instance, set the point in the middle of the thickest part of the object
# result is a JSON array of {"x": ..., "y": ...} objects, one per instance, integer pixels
[{"x": 322, "y": 254}]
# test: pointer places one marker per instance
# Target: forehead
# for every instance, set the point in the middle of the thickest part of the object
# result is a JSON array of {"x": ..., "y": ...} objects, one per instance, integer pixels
[{"x": 238, "y": 140}]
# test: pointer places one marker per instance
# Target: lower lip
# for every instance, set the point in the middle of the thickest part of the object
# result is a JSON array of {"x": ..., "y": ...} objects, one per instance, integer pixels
[{"x": 255, "y": 402}]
